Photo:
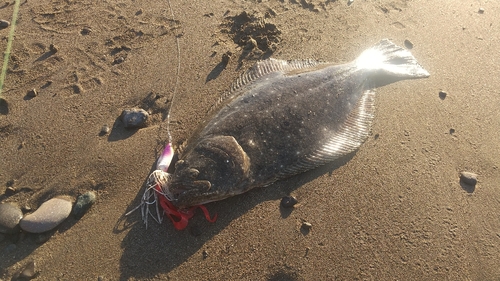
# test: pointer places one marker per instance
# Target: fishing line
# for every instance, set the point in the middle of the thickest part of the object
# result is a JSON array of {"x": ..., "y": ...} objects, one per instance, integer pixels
[
  {"x": 169, "y": 135},
  {"x": 153, "y": 193},
  {"x": 9, "y": 45}
]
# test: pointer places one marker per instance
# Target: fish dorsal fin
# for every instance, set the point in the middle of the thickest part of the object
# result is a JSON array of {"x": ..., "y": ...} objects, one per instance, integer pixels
[
  {"x": 258, "y": 70},
  {"x": 352, "y": 133}
]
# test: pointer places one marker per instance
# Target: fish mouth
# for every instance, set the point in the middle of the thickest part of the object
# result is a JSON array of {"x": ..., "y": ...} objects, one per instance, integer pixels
[{"x": 175, "y": 191}]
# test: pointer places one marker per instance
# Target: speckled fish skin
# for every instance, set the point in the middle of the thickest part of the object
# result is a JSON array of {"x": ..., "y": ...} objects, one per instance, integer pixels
[{"x": 283, "y": 118}]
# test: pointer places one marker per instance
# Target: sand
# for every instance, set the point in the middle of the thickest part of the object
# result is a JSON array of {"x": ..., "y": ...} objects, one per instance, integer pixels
[{"x": 393, "y": 211}]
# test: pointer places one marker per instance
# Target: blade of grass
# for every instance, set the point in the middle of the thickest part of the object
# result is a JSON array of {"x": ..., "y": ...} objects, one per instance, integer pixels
[{"x": 9, "y": 46}]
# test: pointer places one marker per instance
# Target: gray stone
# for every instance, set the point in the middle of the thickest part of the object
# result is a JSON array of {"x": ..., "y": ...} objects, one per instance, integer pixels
[
  {"x": 32, "y": 93},
  {"x": 408, "y": 44},
  {"x": 104, "y": 130},
  {"x": 288, "y": 201},
  {"x": 4, "y": 24},
  {"x": 49, "y": 215},
  {"x": 306, "y": 225},
  {"x": 134, "y": 118},
  {"x": 28, "y": 272},
  {"x": 468, "y": 178},
  {"x": 10, "y": 215},
  {"x": 83, "y": 204}
]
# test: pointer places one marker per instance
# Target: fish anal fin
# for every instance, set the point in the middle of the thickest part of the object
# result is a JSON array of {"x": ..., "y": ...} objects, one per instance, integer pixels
[{"x": 349, "y": 137}]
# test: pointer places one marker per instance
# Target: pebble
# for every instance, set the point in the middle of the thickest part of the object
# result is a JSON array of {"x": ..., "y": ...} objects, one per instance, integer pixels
[
  {"x": 10, "y": 190},
  {"x": 306, "y": 225},
  {"x": 26, "y": 209},
  {"x": 134, "y": 118},
  {"x": 49, "y": 215},
  {"x": 481, "y": 10},
  {"x": 408, "y": 44},
  {"x": 4, "y": 24},
  {"x": 288, "y": 201},
  {"x": 86, "y": 31},
  {"x": 83, "y": 204},
  {"x": 28, "y": 271},
  {"x": 468, "y": 178},
  {"x": 77, "y": 88},
  {"x": 118, "y": 60},
  {"x": 10, "y": 215},
  {"x": 104, "y": 130},
  {"x": 205, "y": 254},
  {"x": 53, "y": 48},
  {"x": 442, "y": 95},
  {"x": 32, "y": 93}
]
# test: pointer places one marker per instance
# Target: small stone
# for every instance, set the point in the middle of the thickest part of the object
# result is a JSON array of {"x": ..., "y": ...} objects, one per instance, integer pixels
[
  {"x": 134, "y": 118},
  {"x": 10, "y": 215},
  {"x": 100, "y": 278},
  {"x": 4, "y": 24},
  {"x": 468, "y": 178},
  {"x": 481, "y": 10},
  {"x": 205, "y": 254},
  {"x": 306, "y": 225},
  {"x": 32, "y": 93},
  {"x": 26, "y": 209},
  {"x": 118, "y": 60},
  {"x": 288, "y": 201},
  {"x": 28, "y": 271},
  {"x": 452, "y": 131},
  {"x": 49, "y": 215},
  {"x": 53, "y": 48},
  {"x": 408, "y": 44},
  {"x": 10, "y": 190},
  {"x": 77, "y": 88},
  {"x": 349, "y": 2},
  {"x": 86, "y": 31},
  {"x": 226, "y": 57},
  {"x": 104, "y": 130},
  {"x": 83, "y": 204},
  {"x": 442, "y": 95}
]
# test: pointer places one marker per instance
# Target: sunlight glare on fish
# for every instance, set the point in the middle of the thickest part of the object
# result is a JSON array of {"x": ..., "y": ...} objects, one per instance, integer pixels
[{"x": 370, "y": 59}]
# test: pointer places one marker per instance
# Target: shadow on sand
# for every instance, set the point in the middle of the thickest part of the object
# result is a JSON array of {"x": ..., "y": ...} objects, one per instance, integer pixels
[{"x": 161, "y": 248}]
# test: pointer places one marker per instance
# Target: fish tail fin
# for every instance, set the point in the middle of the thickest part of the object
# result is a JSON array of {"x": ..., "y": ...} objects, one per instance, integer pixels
[{"x": 391, "y": 60}]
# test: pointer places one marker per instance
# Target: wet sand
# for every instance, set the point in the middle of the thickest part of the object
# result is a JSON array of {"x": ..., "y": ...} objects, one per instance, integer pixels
[{"x": 394, "y": 210}]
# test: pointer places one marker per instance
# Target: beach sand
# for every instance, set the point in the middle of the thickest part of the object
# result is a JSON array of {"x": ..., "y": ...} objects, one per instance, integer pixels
[{"x": 394, "y": 210}]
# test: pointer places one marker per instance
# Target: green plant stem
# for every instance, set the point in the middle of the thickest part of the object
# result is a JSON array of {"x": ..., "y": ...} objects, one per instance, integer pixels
[{"x": 9, "y": 45}]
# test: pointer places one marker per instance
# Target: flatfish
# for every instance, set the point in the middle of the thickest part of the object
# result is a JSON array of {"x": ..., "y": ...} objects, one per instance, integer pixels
[{"x": 282, "y": 118}]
